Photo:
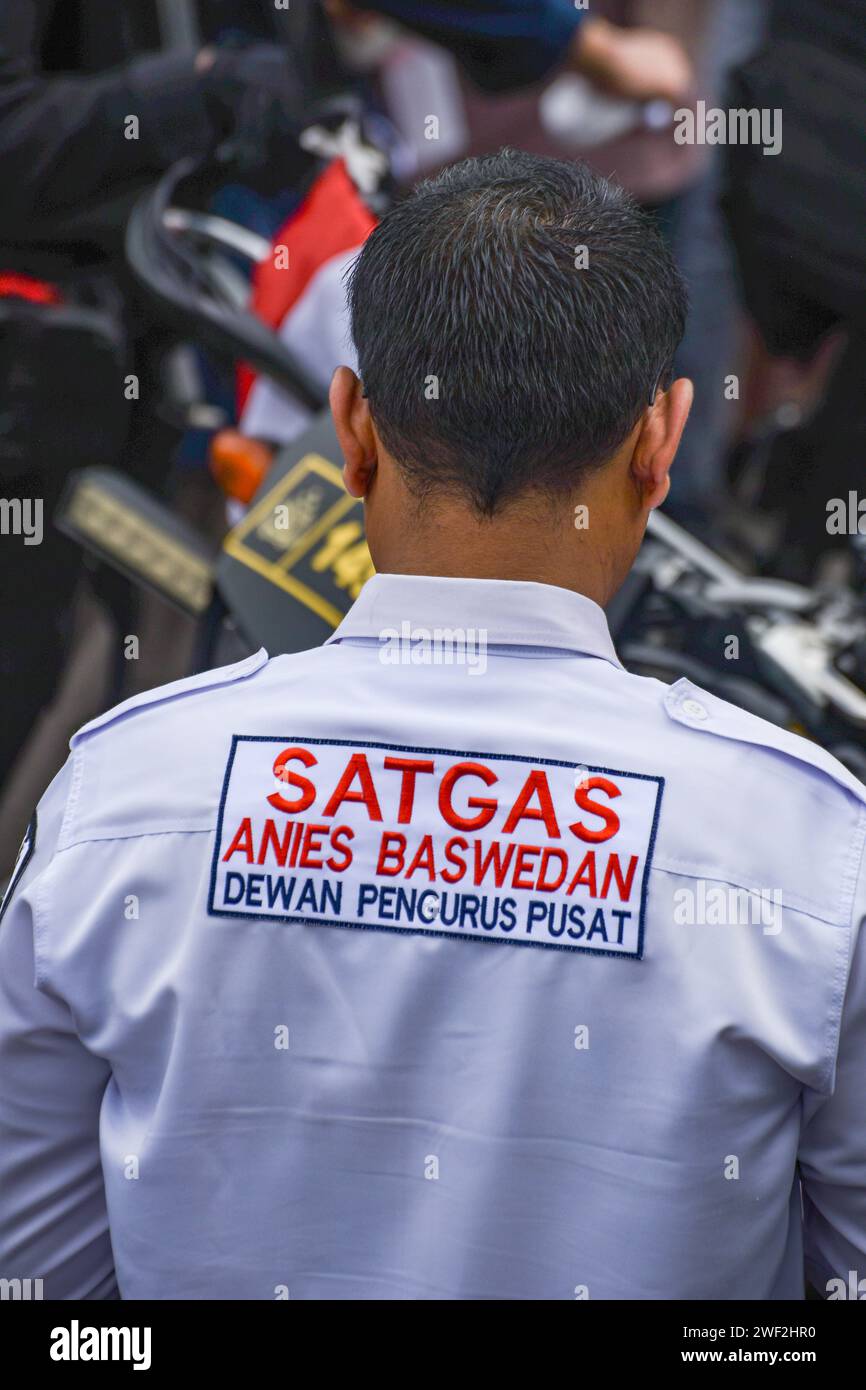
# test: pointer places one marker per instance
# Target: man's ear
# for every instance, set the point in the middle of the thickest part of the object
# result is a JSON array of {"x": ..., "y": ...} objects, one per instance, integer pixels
[
  {"x": 658, "y": 441},
  {"x": 355, "y": 433}
]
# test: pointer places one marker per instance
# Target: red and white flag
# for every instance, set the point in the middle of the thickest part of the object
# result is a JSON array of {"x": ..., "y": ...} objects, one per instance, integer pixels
[{"x": 300, "y": 292}]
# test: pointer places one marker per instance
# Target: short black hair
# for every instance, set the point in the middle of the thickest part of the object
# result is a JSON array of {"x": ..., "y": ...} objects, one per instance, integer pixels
[{"x": 512, "y": 318}]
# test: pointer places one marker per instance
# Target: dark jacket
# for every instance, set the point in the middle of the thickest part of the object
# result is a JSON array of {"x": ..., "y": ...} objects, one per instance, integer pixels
[{"x": 72, "y": 71}]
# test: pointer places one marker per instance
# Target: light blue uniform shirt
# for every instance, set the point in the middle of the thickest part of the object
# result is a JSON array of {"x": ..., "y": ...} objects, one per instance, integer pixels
[{"x": 448, "y": 960}]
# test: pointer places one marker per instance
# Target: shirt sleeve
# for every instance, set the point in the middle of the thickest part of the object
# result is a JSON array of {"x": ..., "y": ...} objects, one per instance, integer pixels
[
  {"x": 501, "y": 43},
  {"x": 53, "y": 1219},
  {"x": 833, "y": 1140}
]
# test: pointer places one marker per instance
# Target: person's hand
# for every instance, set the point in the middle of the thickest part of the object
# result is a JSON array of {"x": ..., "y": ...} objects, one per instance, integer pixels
[
  {"x": 256, "y": 99},
  {"x": 240, "y": 78},
  {"x": 636, "y": 63},
  {"x": 204, "y": 59}
]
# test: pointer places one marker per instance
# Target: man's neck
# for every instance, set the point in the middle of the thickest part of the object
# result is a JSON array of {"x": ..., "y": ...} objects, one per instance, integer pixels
[{"x": 530, "y": 547}]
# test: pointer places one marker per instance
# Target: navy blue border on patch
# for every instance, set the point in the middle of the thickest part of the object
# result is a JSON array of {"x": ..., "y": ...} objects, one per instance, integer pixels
[{"x": 297, "y": 739}]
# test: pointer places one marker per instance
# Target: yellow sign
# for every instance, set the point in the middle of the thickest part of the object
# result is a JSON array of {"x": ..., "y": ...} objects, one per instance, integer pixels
[{"x": 306, "y": 535}]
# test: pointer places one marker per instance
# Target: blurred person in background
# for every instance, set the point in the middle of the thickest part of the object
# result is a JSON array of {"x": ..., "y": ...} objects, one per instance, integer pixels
[
  {"x": 797, "y": 224},
  {"x": 711, "y": 350},
  {"x": 622, "y": 132},
  {"x": 504, "y": 44}
]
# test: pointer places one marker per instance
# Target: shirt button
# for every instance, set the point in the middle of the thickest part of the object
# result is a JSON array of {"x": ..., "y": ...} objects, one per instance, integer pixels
[{"x": 693, "y": 709}]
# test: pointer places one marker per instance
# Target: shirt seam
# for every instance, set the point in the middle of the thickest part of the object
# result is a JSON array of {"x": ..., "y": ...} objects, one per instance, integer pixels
[
  {"x": 498, "y": 637},
  {"x": 41, "y": 888},
  {"x": 790, "y": 900},
  {"x": 844, "y": 956},
  {"x": 515, "y": 650},
  {"x": 113, "y": 836}
]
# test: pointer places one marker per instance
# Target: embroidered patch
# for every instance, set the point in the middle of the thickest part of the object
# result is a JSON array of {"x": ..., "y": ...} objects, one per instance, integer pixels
[{"x": 436, "y": 842}]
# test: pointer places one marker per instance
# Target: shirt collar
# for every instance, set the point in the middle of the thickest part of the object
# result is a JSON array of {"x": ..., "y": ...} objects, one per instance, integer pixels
[{"x": 510, "y": 613}]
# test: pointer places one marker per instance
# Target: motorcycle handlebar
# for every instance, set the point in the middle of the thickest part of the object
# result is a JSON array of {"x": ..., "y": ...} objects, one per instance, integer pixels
[{"x": 189, "y": 293}]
